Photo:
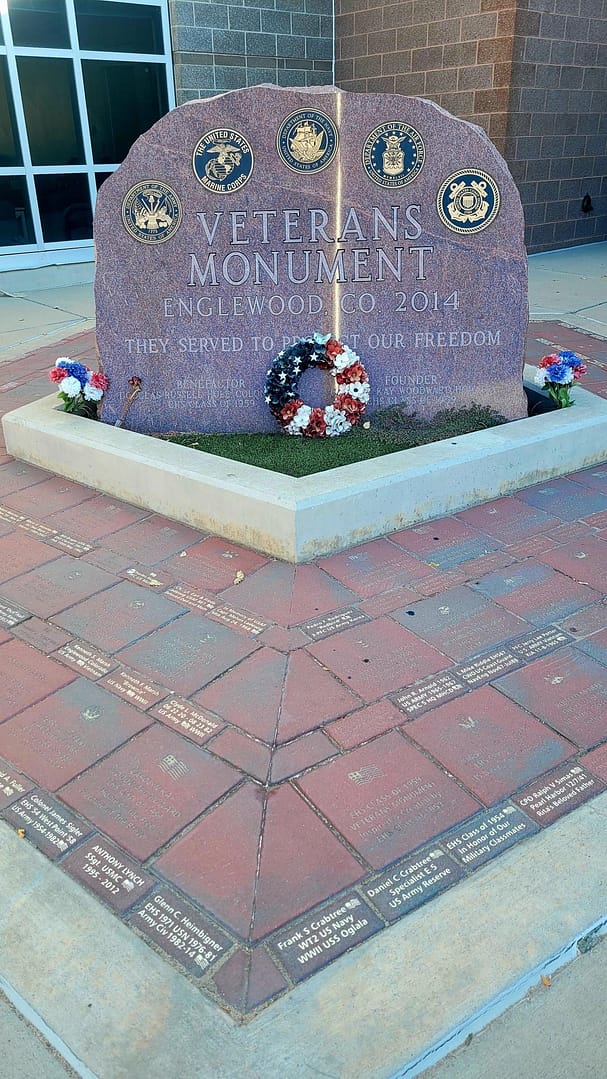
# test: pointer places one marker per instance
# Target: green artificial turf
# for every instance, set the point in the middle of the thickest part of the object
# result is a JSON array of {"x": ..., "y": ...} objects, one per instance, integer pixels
[{"x": 391, "y": 430}]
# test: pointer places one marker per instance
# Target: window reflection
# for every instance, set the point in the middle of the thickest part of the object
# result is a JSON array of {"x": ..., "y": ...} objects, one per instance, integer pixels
[
  {"x": 106, "y": 27},
  {"x": 40, "y": 24},
  {"x": 52, "y": 121},
  {"x": 123, "y": 100},
  {"x": 65, "y": 207},
  {"x": 15, "y": 217},
  {"x": 10, "y": 152}
]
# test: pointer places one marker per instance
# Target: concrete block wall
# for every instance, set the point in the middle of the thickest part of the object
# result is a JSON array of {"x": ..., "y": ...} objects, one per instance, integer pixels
[
  {"x": 455, "y": 52},
  {"x": 532, "y": 73},
  {"x": 556, "y": 144},
  {"x": 226, "y": 44}
]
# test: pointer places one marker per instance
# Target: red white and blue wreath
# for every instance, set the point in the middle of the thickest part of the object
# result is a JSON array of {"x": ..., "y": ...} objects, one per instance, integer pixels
[{"x": 352, "y": 388}]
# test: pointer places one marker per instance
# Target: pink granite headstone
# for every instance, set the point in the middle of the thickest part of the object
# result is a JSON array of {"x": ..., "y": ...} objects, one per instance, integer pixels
[{"x": 241, "y": 223}]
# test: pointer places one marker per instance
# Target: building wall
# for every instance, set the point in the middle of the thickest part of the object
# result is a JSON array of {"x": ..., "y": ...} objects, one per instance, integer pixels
[
  {"x": 226, "y": 44},
  {"x": 532, "y": 73},
  {"x": 557, "y": 132}
]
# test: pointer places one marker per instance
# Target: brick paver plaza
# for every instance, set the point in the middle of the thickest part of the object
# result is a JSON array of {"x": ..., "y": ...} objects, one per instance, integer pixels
[{"x": 257, "y": 776}]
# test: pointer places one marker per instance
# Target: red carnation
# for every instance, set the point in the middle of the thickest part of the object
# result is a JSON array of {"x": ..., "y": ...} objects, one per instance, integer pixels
[
  {"x": 350, "y": 406},
  {"x": 316, "y": 424},
  {"x": 57, "y": 374},
  {"x": 288, "y": 411},
  {"x": 579, "y": 370},
  {"x": 547, "y": 361},
  {"x": 99, "y": 381},
  {"x": 333, "y": 348},
  {"x": 354, "y": 373}
]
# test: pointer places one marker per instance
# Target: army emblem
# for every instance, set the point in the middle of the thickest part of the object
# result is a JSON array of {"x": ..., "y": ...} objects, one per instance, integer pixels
[
  {"x": 222, "y": 161},
  {"x": 151, "y": 212},
  {"x": 307, "y": 141},
  {"x": 468, "y": 201},
  {"x": 393, "y": 154}
]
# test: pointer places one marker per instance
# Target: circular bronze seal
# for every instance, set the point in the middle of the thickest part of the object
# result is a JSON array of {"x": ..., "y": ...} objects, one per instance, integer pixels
[
  {"x": 151, "y": 212},
  {"x": 468, "y": 201},
  {"x": 307, "y": 141},
  {"x": 223, "y": 161},
  {"x": 393, "y": 154}
]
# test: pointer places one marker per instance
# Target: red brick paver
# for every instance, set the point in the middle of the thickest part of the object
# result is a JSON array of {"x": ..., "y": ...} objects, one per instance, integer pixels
[{"x": 240, "y": 756}]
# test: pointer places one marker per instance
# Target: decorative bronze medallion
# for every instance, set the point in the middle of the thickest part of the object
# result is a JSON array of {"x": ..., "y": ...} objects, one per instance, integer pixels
[
  {"x": 307, "y": 141},
  {"x": 151, "y": 212},
  {"x": 468, "y": 201},
  {"x": 393, "y": 154},
  {"x": 223, "y": 161}
]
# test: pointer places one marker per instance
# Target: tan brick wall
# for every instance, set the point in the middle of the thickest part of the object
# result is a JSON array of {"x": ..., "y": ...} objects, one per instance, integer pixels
[
  {"x": 532, "y": 73},
  {"x": 455, "y": 52}
]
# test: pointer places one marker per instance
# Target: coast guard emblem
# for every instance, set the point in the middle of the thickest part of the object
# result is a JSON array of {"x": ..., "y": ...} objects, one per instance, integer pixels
[
  {"x": 468, "y": 201},
  {"x": 223, "y": 161},
  {"x": 307, "y": 141},
  {"x": 393, "y": 154},
  {"x": 151, "y": 212}
]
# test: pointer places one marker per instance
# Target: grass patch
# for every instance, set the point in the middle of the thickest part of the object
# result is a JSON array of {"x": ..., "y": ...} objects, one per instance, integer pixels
[{"x": 391, "y": 430}]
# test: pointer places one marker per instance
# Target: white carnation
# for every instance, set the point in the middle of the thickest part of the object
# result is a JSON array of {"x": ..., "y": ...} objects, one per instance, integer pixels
[
  {"x": 300, "y": 420},
  {"x": 92, "y": 393},
  {"x": 70, "y": 386},
  {"x": 540, "y": 377}
]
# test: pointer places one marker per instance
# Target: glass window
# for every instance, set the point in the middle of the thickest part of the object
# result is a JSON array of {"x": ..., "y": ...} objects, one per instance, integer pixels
[
  {"x": 123, "y": 100},
  {"x": 53, "y": 126},
  {"x": 101, "y": 177},
  {"x": 106, "y": 27},
  {"x": 39, "y": 23},
  {"x": 15, "y": 218},
  {"x": 65, "y": 207},
  {"x": 10, "y": 152}
]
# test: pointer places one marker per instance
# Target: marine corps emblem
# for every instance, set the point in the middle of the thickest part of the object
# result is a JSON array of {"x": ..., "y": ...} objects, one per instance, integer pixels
[
  {"x": 151, "y": 212},
  {"x": 223, "y": 161},
  {"x": 393, "y": 154},
  {"x": 468, "y": 201},
  {"x": 307, "y": 141}
]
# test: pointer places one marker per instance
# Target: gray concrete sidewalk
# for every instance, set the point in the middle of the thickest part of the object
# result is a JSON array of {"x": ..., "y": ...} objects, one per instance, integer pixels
[{"x": 25, "y": 1053}]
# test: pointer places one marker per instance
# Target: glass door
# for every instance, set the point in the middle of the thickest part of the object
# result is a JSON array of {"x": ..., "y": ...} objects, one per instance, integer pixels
[{"x": 79, "y": 81}]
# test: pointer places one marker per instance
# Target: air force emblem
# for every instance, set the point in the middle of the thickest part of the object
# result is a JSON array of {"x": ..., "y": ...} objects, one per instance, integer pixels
[{"x": 393, "y": 154}]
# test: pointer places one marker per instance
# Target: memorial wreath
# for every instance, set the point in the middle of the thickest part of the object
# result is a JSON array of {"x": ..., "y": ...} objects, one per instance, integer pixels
[{"x": 351, "y": 397}]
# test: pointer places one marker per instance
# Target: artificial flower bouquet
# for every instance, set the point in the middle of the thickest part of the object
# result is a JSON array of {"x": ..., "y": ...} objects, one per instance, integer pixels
[
  {"x": 556, "y": 374},
  {"x": 79, "y": 388}
]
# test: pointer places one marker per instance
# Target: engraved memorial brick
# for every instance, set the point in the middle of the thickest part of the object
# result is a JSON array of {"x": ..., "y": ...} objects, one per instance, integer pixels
[
  {"x": 317, "y": 628},
  {"x": 553, "y": 795},
  {"x": 47, "y": 823},
  {"x": 181, "y": 931},
  {"x": 186, "y": 718},
  {"x": 309, "y": 944},
  {"x": 408, "y": 884},
  {"x": 109, "y": 873},
  {"x": 12, "y": 784},
  {"x": 488, "y": 834},
  {"x": 402, "y": 233}
]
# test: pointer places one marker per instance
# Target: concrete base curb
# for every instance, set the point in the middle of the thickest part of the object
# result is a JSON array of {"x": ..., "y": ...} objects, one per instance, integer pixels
[
  {"x": 301, "y": 519},
  {"x": 388, "y": 1009}
]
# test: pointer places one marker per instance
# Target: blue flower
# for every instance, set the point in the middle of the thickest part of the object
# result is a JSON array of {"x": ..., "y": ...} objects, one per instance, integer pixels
[
  {"x": 321, "y": 339},
  {"x": 569, "y": 358},
  {"x": 559, "y": 372}
]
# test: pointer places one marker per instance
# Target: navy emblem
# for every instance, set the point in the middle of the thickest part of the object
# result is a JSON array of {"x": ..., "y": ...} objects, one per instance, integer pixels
[
  {"x": 307, "y": 141},
  {"x": 223, "y": 161},
  {"x": 151, "y": 212},
  {"x": 393, "y": 154},
  {"x": 468, "y": 201}
]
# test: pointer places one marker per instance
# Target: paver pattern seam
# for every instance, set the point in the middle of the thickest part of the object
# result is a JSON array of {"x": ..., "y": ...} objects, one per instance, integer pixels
[{"x": 257, "y": 765}]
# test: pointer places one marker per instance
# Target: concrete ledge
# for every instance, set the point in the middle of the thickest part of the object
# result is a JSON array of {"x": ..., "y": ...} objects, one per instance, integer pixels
[
  {"x": 387, "y": 1009},
  {"x": 301, "y": 519}
]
